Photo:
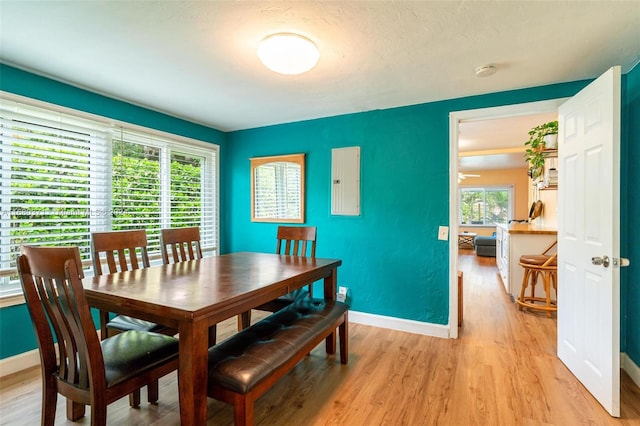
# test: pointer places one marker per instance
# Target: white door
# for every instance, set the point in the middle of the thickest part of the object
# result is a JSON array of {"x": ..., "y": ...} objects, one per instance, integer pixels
[{"x": 588, "y": 227}]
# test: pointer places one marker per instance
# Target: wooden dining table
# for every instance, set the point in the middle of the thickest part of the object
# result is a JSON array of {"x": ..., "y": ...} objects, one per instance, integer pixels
[{"x": 191, "y": 296}]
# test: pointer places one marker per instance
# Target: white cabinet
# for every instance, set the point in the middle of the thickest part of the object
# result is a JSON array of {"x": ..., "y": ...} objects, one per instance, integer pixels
[
  {"x": 512, "y": 241},
  {"x": 502, "y": 255}
]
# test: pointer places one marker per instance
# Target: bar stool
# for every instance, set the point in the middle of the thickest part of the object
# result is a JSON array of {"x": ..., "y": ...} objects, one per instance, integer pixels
[{"x": 536, "y": 266}]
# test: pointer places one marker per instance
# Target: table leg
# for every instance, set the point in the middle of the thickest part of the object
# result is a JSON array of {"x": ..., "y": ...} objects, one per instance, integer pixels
[
  {"x": 330, "y": 288},
  {"x": 193, "y": 372}
]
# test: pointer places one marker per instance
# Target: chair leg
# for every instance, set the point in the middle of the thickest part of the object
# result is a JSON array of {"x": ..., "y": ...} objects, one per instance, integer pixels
[
  {"x": 134, "y": 399},
  {"x": 525, "y": 284},
  {"x": 212, "y": 335},
  {"x": 343, "y": 331},
  {"x": 104, "y": 319},
  {"x": 99, "y": 414},
  {"x": 244, "y": 320},
  {"x": 546, "y": 277},
  {"x": 153, "y": 392},
  {"x": 75, "y": 410},
  {"x": 49, "y": 403}
]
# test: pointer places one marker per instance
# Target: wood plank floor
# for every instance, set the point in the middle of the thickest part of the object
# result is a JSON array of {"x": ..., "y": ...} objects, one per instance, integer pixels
[{"x": 501, "y": 371}]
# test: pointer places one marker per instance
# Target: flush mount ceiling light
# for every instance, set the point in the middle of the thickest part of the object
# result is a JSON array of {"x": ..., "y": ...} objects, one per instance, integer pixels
[
  {"x": 485, "y": 70},
  {"x": 288, "y": 53}
]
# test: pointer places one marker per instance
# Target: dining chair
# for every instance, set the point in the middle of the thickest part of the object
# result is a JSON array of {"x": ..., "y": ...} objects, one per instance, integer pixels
[
  {"x": 180, "y": 245},
  {"x": 84, "y": 369},
  {"x": 290, "y": 241},
  {"x": 119, "y": 250}
]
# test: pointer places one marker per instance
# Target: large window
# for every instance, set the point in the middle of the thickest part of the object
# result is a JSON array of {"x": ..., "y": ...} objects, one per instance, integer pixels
[
  {"x": 485, "y": 206},
  {"x": 64, "y": 175}
]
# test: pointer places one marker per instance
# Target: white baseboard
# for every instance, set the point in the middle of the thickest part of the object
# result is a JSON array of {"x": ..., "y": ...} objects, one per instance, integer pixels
[
  {"x": 630, "y": 367},
  {"x": 410, "y": 326},
  {"x": 19, "y": 362}
]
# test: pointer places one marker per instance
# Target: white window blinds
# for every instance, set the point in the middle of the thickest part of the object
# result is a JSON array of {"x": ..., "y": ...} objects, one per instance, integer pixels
[
  {"x": 51, "y": 168},
  {"x": 64, "y": 176}
]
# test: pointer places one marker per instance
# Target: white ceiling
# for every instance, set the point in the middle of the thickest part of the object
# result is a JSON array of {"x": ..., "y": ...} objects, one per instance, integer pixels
[
  {"x": 197, "y": 59},
  {"x": 496, "y": 144}
]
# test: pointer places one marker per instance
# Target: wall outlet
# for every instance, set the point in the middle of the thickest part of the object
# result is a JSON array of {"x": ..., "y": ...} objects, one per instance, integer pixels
[
  {"x": 342, "y": 294},
  {"x": 443, "y": 233}
]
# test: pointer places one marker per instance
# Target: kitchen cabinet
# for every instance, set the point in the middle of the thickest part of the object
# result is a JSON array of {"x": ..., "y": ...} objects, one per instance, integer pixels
[{"x": 513, "y": 241}]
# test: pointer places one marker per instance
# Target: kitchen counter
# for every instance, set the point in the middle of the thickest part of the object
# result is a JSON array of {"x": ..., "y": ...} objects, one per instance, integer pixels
[
  {"x": 515, "y": 240},
  {"x": 527, "y": 228}
]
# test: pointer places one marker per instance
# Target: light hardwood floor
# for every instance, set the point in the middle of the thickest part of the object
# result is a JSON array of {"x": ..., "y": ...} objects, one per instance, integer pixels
[{"x": 501, "y": 371}]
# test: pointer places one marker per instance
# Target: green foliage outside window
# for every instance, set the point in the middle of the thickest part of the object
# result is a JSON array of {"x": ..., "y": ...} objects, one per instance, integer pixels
[{"x": 480, "y": 206}]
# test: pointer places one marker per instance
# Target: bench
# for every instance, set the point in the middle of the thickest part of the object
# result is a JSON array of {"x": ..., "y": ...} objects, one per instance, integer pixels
[{"x": 245, "y": 366}]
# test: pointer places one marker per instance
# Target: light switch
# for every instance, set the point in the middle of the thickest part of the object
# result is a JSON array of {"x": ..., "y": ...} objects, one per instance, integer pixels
[{"x": 443, "y": 233}]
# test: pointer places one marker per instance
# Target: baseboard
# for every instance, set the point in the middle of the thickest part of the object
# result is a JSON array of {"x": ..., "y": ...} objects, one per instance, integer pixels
[
  {"x": 630, "y": 367},
  {"x": 399, "y": 324},
  {"x": 19, "y": 362}
]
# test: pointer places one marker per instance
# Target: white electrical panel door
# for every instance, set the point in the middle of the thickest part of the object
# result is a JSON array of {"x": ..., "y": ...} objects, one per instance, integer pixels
[{"x": 345, "y": 181}]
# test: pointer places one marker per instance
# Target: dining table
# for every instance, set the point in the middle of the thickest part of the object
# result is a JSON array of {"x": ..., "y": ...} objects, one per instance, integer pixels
[{"x": 194, "y": 295}]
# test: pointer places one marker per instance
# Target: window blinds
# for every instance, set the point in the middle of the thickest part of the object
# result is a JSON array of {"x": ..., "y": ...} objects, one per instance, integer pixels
[{"x": 63, "y": 177}]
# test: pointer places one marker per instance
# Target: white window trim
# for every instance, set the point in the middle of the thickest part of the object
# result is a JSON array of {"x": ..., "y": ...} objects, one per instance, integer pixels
[{"x": 185, "y": 144}]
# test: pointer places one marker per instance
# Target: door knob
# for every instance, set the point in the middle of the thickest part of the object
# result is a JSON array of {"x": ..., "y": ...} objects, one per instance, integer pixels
[{"x": 604, "y": 261}]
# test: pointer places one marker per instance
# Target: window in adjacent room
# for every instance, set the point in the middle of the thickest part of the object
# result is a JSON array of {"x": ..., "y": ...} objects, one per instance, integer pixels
[{"x": 485, "y": 206}]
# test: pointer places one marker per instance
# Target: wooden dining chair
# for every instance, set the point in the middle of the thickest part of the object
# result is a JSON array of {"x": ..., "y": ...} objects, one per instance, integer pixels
[
  {"x": 84, "y": 369},
  {"x": 299, "y": 241},
  {"x": 122, "y": 251},
  {"x": 180, "y": 245}
]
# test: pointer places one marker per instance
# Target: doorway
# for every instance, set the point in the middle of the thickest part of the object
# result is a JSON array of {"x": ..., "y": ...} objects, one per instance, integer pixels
[{"x": 455, "y": 120}]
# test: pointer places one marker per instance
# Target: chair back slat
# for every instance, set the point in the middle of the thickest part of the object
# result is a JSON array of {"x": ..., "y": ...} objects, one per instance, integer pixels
[
  {"x": 51, "y": 283},
  {"x": 181, "y": 243},
  {"x": 123, "y": 251},
  {"x": 296, "y": 240}
]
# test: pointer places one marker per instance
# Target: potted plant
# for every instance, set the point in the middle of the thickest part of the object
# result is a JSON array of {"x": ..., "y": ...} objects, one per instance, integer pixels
[{"x": 541, "y": 137}]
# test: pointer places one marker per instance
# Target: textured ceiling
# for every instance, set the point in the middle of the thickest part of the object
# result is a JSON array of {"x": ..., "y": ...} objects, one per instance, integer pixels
[{"x": 197, "y": 59}]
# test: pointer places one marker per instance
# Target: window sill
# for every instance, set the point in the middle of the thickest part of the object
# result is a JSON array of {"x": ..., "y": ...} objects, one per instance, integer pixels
[{"x": 16, "y": 299}]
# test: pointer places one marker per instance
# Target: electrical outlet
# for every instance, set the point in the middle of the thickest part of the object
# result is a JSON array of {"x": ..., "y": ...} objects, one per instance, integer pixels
[
  {"x": 443, "y": 233},
  {"x": 342, "y": 294}
]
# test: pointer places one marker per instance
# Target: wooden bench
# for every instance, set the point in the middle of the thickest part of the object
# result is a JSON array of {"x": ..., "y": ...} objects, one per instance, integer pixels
[{"x": 245, "y": 366}]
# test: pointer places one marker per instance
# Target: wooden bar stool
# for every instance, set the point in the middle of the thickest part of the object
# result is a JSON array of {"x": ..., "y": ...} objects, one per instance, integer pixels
[{"x": 536, "y": 266}]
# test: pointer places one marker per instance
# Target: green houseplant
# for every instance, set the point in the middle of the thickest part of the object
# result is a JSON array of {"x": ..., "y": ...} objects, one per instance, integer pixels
[{"x": 535, "y": 147}]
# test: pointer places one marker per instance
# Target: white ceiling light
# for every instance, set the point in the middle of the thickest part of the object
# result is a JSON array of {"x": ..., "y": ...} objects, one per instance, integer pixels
[{"x": 287, "y": 53}]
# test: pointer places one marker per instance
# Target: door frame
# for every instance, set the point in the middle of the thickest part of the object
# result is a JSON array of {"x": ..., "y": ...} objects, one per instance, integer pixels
[{"x": 455, "y": 117}]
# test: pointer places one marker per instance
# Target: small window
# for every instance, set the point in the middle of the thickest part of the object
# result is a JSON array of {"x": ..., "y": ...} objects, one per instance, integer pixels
[
  {"x": 277, "y": 188},
  {"x": 485, "y": 206}
]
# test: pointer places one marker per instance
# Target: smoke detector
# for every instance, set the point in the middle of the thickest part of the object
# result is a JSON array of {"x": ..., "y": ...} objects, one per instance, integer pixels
[{"x": 485, "y": 70}]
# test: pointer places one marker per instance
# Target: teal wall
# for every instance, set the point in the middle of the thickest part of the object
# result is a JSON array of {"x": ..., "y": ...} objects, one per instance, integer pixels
[
  {"x": 16, "y": 331},
  {"x": 392, "y": 260},
  {"x": 631, "y": 216}
]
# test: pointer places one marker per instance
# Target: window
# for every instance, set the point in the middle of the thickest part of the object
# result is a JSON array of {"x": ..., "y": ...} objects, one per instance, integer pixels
[
  {"x": 277, "y": 188},
  {"x": 64, "y": 175},
  {"x": 485, "y": 206}
]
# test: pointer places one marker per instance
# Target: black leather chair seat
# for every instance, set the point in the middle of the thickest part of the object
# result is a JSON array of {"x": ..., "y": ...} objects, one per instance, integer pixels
[
  {"x": 245, "y": 359},
  {"x": 132, "y": 352},
  {"x": 125, "y": 323}
]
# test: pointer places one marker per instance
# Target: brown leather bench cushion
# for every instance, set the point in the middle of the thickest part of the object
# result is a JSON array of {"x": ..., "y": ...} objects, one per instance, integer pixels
[{"x": 245, "y": 359}]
